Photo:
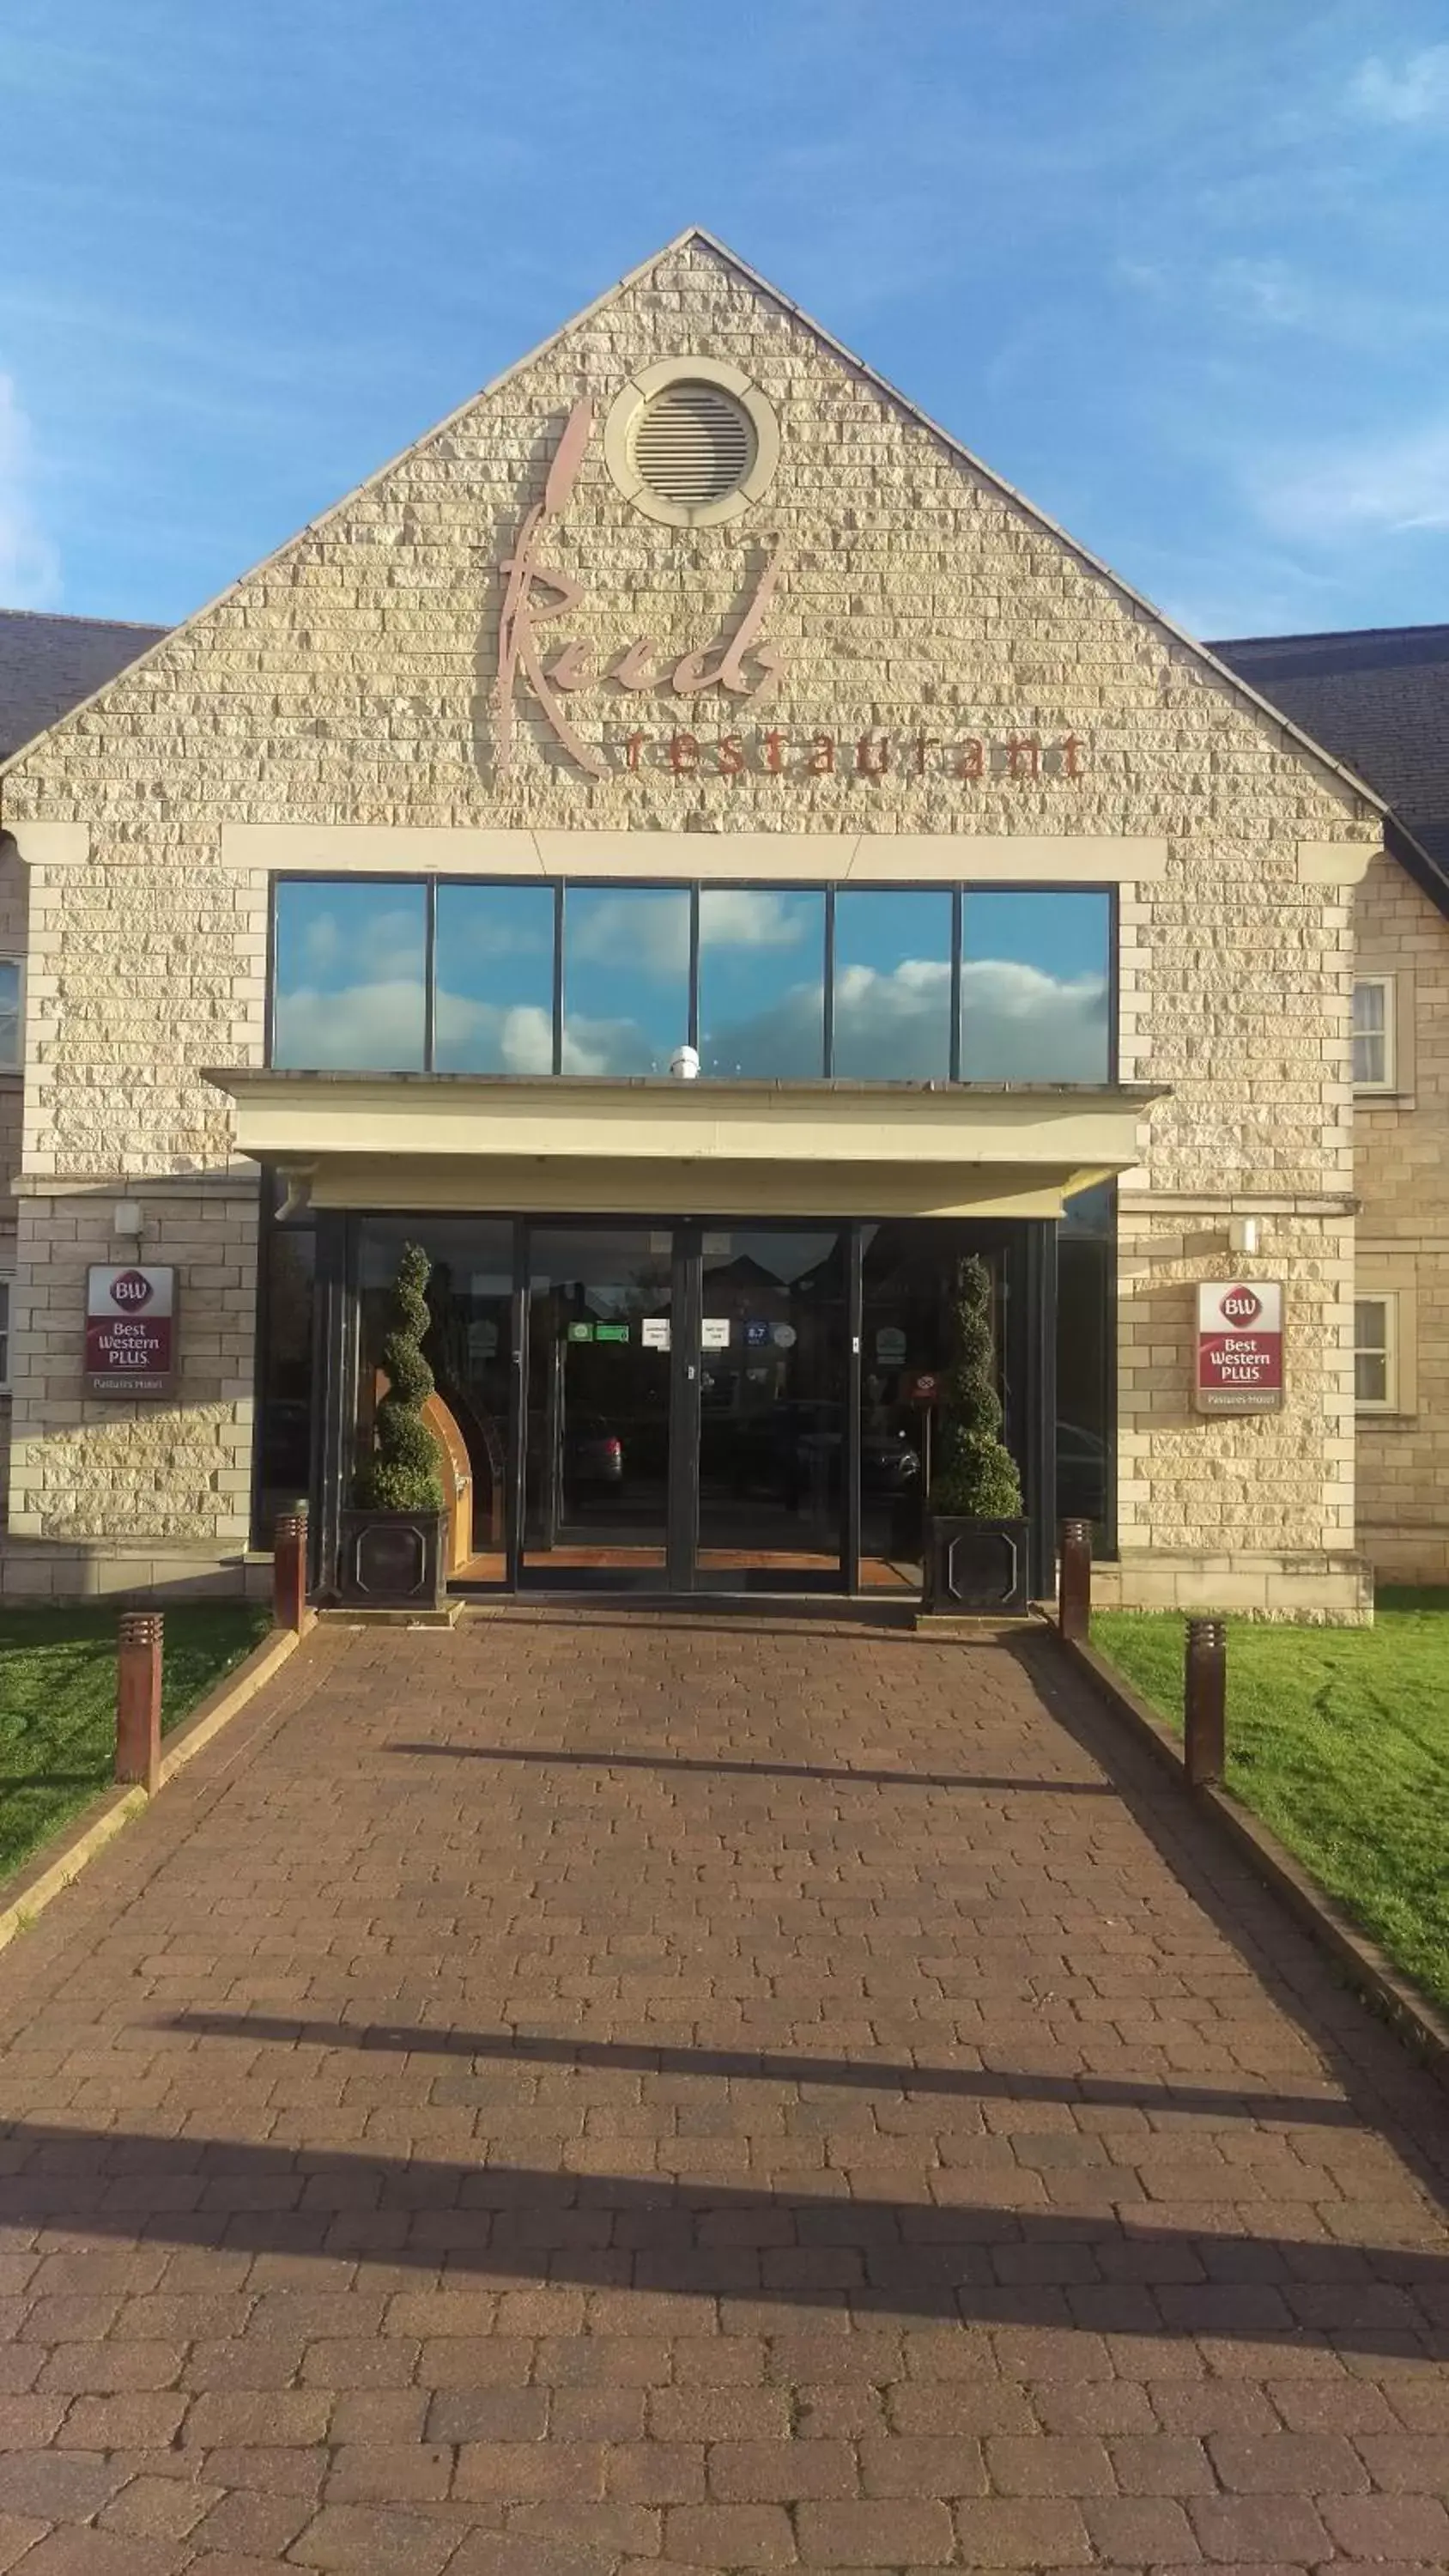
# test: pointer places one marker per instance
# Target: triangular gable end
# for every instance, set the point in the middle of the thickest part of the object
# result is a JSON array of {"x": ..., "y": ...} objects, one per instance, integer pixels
[{"x": 696, "y": 238}]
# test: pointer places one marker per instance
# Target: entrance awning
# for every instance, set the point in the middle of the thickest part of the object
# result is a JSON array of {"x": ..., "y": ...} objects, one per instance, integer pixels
[{"x": 590, "y": 1144}]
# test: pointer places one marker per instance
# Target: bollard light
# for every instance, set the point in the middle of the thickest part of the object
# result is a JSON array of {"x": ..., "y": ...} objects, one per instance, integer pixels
[
  {"x": 289, "y": 1570},
  {"x": 1205, "y": 1702},
  {"x": 138, "y": 1700},
  {"x": 1074, "y": 1580}
]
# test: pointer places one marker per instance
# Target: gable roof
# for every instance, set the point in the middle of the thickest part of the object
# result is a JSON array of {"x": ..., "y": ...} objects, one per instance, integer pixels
[
  {"x": 49, "y": 664},
  {"x": 693, "y": 237},
  {"x": 1377, "y": 697}
]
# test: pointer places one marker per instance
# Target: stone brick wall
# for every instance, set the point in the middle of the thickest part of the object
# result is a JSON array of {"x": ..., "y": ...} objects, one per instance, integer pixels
[
  {"x": 14, "y": 899},
  {"x": 348, "y": 680},
  {"x": 1402, "y": 1171}
]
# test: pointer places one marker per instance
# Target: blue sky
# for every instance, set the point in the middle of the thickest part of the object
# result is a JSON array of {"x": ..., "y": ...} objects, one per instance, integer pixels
[{"x": 1175, "y": 268}]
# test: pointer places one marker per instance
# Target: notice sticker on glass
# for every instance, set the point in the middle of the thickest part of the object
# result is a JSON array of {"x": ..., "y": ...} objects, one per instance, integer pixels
[
  {"x": 655, "y": 1329},
  {"x": 611, "y": 1332},
  {"x": 715, "y": 1333},
  {"x": 581, "y": 1332},
  {"x": 890, "y": 1345},
  {"x": 717, "y": 1243},
  {"x": 783, "y": 1336}
]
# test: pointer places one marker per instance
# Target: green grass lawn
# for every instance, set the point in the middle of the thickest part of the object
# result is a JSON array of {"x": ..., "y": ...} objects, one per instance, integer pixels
[
  {"x": 1338, "y": 1738},
  {"x": 58, "y": 1703}
]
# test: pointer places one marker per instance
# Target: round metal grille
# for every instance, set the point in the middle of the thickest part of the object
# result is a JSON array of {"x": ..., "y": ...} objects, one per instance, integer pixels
[{"x": 693, "y": 444}]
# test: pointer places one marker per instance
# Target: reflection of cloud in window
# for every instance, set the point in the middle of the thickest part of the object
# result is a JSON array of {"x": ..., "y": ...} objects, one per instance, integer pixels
[
  {"x": 1021, "y": 1025},
  {"x": 742, "y": 917},
  {"x": 381, "y": 1024},
  {"x": 1018, "y": 1024},
  {"x": 339, "y": 943},
  {"x": 648, "y": 932},
  {"x": 487, "y": 931},
  {"x": 361, "y": 1025}
]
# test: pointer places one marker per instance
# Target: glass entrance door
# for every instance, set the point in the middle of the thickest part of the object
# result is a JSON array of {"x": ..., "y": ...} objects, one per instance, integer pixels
[
  {"x": 687, "y": 1400},
  {"x": 774, "y": 1378},
  {"x": 597, "y": 1420}
]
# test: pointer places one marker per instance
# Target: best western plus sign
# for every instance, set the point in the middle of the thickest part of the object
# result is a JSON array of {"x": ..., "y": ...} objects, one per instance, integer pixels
[
  {"x": 130, "y": 1330},
  {"x": 1239, "y": 1346}
]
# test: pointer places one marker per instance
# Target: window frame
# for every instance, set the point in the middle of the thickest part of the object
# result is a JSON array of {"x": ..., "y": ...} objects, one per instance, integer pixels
[
  {"x": 379, "y": 877},
  {"x": 1386, "y": 983},
  {"x": 1387, "y": 1350},
  {"x": 13, "y": 957},
  {"x": 959, "y": 889},
  {"x": 7, "y": 1330}
]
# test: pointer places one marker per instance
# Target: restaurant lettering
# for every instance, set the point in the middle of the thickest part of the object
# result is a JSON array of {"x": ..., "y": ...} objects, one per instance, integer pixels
[{"x": 742, "y": 663}]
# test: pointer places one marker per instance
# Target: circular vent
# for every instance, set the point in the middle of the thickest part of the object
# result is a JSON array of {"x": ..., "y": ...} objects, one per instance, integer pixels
[{"x": 693, "y": 445}]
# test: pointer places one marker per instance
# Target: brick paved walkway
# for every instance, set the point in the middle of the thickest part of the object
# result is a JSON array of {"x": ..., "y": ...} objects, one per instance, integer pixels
[{"x": 594, "y": 2092}]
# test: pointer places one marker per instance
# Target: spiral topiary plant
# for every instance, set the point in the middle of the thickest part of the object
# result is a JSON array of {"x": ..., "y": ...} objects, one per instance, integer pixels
[
  {"x": 976, "y": 1477},
  {"x": 402, "y": 1473}
]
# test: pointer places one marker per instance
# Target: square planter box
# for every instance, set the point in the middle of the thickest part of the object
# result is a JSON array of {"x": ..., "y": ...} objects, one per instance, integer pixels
[
  {"x": 393, "y": 1560},
  {"x": 976, "y": 1568}
]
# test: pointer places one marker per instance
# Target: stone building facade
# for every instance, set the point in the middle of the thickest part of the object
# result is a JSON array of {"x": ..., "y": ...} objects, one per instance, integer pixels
[
  {"x": 868, "y": 664},
  {"x": 1381, "y": 700}
]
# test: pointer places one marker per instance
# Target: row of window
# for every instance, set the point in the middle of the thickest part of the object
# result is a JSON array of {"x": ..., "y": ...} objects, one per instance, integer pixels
[
  {"x": 349, "y": 988},
  {"x": 782, "y": 983}
]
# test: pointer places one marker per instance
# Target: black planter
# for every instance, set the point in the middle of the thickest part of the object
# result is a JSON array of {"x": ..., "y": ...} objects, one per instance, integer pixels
[
  {"x": 393, "y": 1560},
  {"x": 976, "y": 1568}
]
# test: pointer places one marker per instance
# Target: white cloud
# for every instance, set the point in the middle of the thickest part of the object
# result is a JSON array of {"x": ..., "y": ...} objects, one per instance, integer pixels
[
  {"x": 380, "y": 1024},
  {"x": 29, "y": 564},
  {"x": 742, "y": 917},
  {"x": 1414, "y": 93},
  {"x": 649, "y": 933},
  {"x": 1389, "y": 485},
  {"x": 1021, "y": 1025},
  {"x": 356, "y": 937},
  {"x": 1262, "y": 290}
]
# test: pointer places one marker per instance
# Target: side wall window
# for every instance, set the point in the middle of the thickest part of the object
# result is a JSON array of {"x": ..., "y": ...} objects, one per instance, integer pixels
[
  {"x": 1375, "y": 1354},
  {"x": 12, "y": 1035},
  {"x": 1374, "y": 1050}
]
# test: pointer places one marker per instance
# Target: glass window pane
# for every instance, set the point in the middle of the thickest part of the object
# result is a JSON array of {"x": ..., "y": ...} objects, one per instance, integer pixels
[
  {"x": 1370, "y": 1033},
  {"x": 494, "y": 1008},
  {"x": 349, "y": 976},
  {"x": 1035, "y": 983},
  {"x": 626, "y": 978},
  {"x": 1086, "y": 1427},
  {"x": 893, "y": 986},
  {"x": 1370, "y": 1323},
  {"x": 1370, "y": 1377},
  {"x": 10, "y": 1045},
  {"x": 284, "y": 1420},
  {"x": 762, "y": 983}
]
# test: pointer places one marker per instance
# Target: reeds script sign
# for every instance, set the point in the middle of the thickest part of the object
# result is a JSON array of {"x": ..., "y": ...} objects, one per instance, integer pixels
[
  {"x": 536, "y": 592},
  {"x": 743, "y": 664}
]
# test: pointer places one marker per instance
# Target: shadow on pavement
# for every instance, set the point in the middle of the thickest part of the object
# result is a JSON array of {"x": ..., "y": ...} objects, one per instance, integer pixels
[
  {"x": 864, "y": 2074},
  {"x": 960, "y": 2261}
]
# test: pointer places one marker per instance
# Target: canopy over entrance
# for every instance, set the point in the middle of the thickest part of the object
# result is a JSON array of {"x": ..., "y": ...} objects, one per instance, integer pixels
[{"x": 848, "y": 1149}]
